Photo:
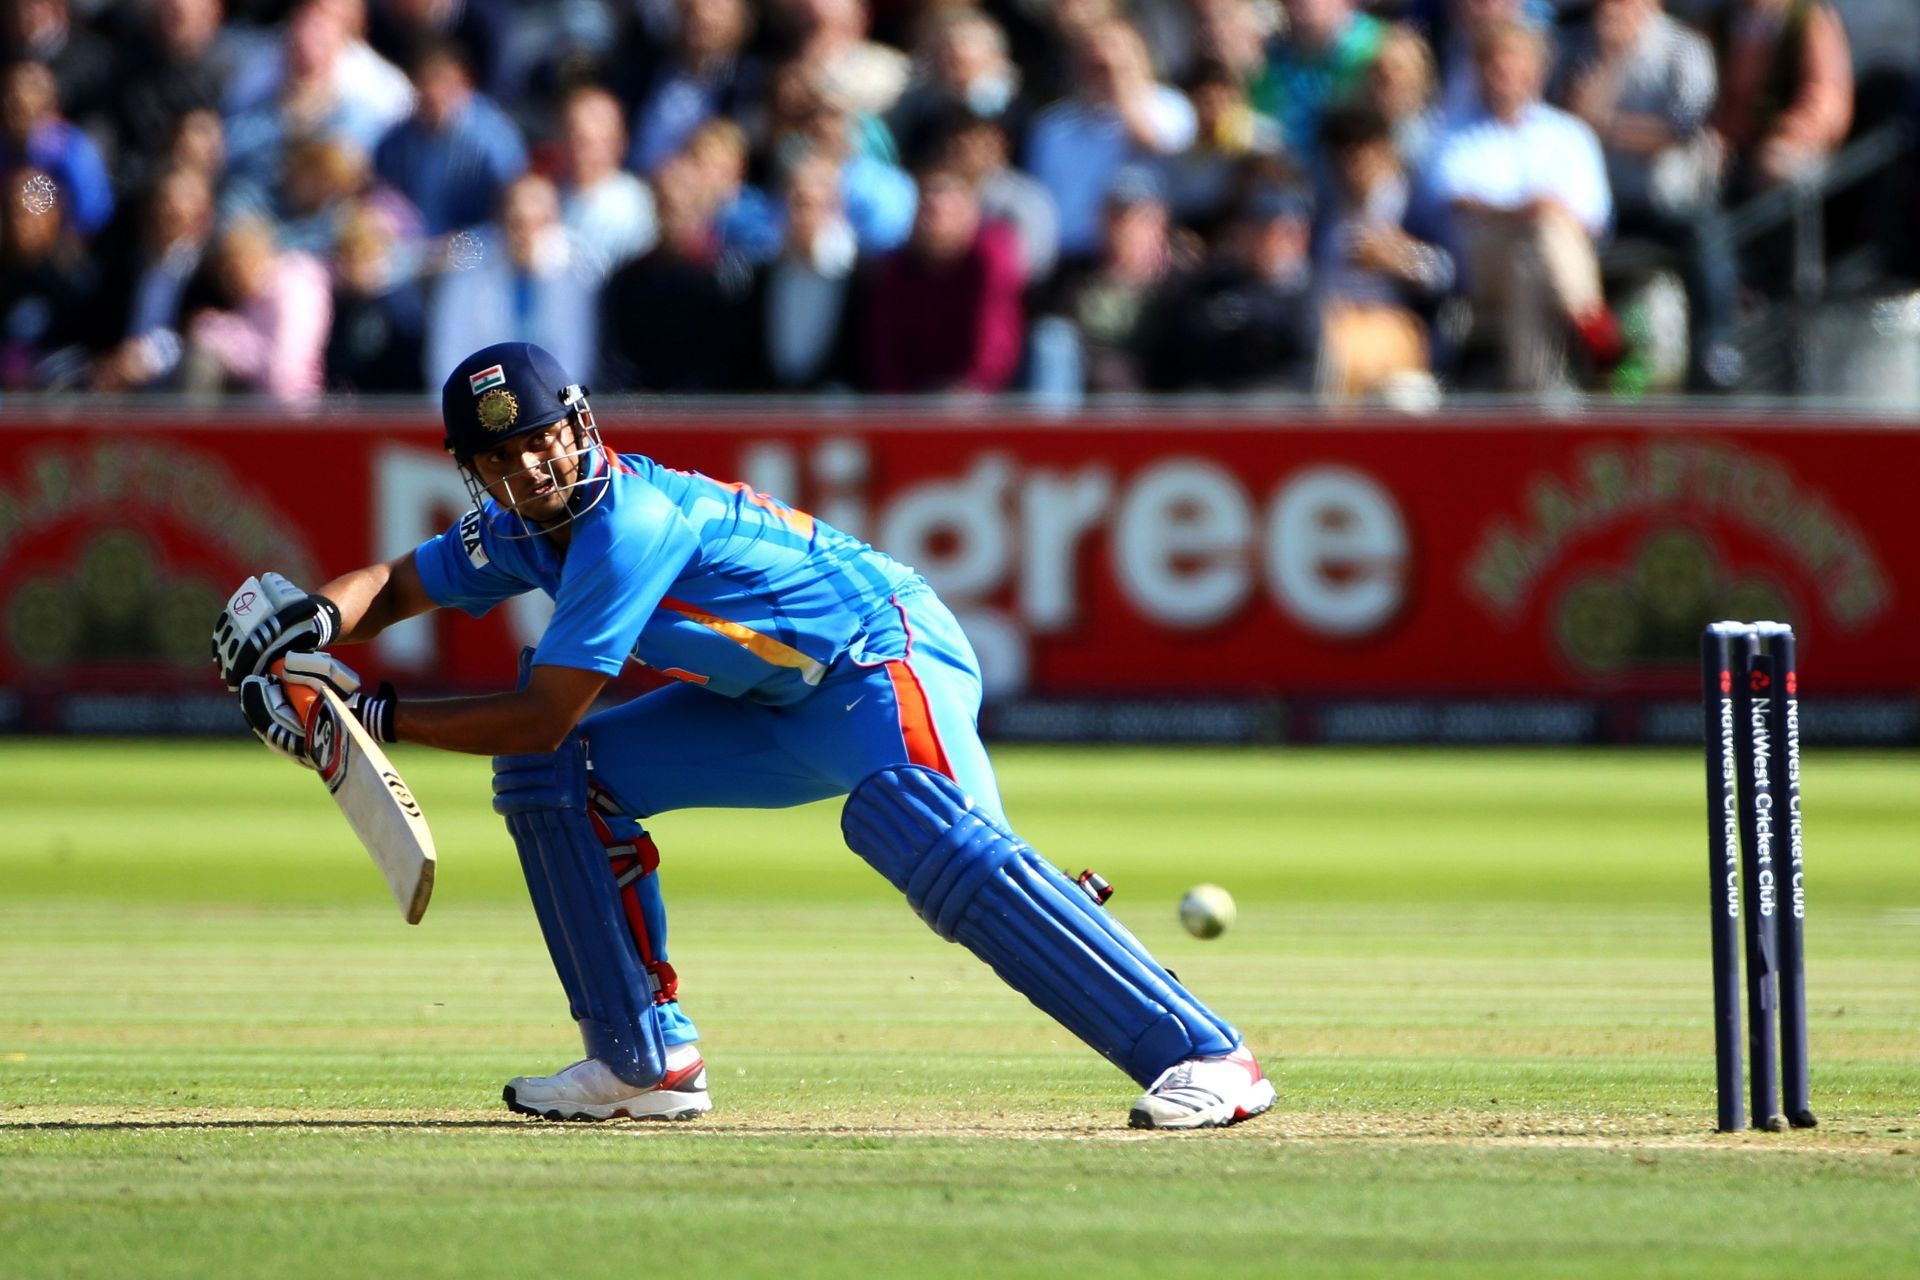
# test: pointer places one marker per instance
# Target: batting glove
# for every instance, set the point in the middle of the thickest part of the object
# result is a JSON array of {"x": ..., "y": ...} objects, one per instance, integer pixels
[
  {"x": 273, "y": 719},
  {"x": 374, "y": 710},
  {"x": 287, "y": 621}
]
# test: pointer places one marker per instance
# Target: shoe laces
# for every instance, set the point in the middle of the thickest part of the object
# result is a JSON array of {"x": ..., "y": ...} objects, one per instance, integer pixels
[{"x": 1178, "y": 1077}]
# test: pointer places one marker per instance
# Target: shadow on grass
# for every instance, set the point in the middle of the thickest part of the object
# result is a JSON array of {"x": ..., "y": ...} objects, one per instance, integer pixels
[
  {"x": 826, "y": 1130},
  {"x": 135, "y": 1126}
]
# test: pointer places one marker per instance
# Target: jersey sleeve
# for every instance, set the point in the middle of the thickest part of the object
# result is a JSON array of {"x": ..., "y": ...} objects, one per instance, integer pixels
[
  {"x": 458, "y": 570},
  {"x": 618, "y": 570}
]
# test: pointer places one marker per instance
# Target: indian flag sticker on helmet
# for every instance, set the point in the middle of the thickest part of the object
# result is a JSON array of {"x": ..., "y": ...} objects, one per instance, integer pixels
[{"x": 487, "y": 379}]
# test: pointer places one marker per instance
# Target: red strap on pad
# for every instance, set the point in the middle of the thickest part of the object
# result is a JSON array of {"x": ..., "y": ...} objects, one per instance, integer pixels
[{"x": 631, "y": 861}]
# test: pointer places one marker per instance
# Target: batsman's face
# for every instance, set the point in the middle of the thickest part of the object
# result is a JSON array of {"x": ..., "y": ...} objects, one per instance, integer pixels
[{"x": 531, "y": 473}]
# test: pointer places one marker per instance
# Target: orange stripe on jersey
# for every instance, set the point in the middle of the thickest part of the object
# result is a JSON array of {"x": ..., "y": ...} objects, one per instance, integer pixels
[
  {"x": 798, "y": 521},
  {"x": 765, "y": 648},
  {"x": 916, "y": 720}
]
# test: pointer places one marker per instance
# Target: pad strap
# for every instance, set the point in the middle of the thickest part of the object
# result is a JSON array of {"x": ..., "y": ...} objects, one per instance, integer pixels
[
  {"x": 579, "y": 903},
  {"x": 633, "y": 860},
  {"x": 976, "y": 883}
]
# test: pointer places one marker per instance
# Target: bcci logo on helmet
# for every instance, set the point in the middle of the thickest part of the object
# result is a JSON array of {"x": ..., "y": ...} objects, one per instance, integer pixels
[{"x": 498, "y": 410}]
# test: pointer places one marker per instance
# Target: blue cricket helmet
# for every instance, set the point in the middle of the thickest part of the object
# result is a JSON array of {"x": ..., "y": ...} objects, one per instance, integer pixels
[
  {"x": 501, "y": 391},
  {"x": 509, "y": 389}
]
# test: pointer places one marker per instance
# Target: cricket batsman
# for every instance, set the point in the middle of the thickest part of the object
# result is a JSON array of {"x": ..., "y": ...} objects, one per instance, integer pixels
[{"x": 806, "y": 665}]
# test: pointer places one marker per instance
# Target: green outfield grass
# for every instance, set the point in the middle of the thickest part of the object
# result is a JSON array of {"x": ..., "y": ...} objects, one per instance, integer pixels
[{"x": 1479, "y": 979}]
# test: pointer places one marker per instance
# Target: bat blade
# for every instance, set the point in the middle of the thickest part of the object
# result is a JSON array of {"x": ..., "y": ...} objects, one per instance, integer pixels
[{"x": 376, "y": 801}]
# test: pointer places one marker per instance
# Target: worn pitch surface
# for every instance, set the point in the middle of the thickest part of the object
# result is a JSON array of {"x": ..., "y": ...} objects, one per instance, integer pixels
[{"x": 1480, "y": 981}]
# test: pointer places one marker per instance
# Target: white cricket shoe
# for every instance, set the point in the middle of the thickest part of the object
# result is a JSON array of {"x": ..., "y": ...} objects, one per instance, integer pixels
[
  {"x": 1202, "y": 1093},
  {"x": 588, "y": 1090}
]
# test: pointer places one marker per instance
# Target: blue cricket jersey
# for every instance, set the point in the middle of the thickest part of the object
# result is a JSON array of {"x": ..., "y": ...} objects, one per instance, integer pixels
[{"x": 708, "y": 582}]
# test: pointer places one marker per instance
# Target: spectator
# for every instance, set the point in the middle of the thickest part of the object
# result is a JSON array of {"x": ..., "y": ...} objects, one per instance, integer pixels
[
  {"x": 1528, "y": 187},
  {"x": 1167, "y": 27},
  {"x": 801, "y": 114},
  {"x": 1232, "y": 138},
  {"x": 198, "y": 140},
  {"x": 456, "y": 153},
  {"x": 1117, "y": 114},
  {"x": 977, "y": 148},
  {"x": 1245, "y": 321},
  {"x": 671, "y": 319},
  {"x": 363, "y": 75},
  {"x": 878, "y": 196},
  {"x": 312, "y": 81},
  {"x": 1453, "y": 31},
  {"x": 608, "y": 210},
  {"x": 747, "y": 220},
  {"x": 82, "y": 61},
  {"x": 182, "y": 65},
  {"x": 35, "y": 136},
  {"x": 152, "y": 269},
  {"x": 403, "y": 30},
  {"x": 1383, "y": 263},
  {"x": 529, "y": 282},
  {"x": 1234, "y": 34},
  {"x": 787, "y": 125},
  {"x": 964, "y": 69},
  {"x": 311, "y": 97},
  {"x": 831, "y": 36},
  {"x": 1106, "y": 301},
  {"x": 377, "y": 343},
  {"x": 801, "y": 308},
  {"x": 1401, "y": 86},
  {"x": 1047, "y": 36},
  {"x": 271, "y": 335},
  {"x": 47, "y": 289},
  {"x": 1645, "y": 85},
  {"x": 1786, "y": 97},
  {"x": 944, "y": 313},
  {"x": 707, "y": 75},
  {"x": 554, "y": 50},
  {"x": 308, "y": 192},
  {"x": 1319, "y": 63},
  {"x": 320, "y": 182}
]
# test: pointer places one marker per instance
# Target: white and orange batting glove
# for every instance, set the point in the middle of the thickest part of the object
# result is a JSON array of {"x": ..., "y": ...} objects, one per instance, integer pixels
[
  {"x": 273, "y": 717},
  {"x": 373, "y": 709},
  {"x": 276, "y": 721},
  {"x": 265, "y": 619}
]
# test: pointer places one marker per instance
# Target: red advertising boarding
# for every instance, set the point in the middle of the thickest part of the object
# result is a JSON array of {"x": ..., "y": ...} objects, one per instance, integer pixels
[{"x": 1331, "y": 570}]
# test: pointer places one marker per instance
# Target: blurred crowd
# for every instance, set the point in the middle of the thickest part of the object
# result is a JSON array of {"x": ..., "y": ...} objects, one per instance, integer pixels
[{"x": 1354, "y": 200}]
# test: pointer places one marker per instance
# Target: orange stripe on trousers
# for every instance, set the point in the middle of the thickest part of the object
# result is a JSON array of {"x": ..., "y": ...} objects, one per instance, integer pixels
[{"x": 916, "y": 720}]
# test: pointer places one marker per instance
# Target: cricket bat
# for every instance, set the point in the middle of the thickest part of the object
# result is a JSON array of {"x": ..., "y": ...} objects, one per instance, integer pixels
[
  {"x": 372, "y": 795},
  {"x": 366, "y": 786}
]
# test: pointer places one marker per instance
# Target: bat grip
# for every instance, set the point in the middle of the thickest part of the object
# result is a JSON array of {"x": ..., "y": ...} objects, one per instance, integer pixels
[{"x": 299, "y": 695}]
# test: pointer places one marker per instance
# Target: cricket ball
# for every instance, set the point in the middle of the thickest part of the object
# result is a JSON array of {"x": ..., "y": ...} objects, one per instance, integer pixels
[{"x": 1206, "y": 910}]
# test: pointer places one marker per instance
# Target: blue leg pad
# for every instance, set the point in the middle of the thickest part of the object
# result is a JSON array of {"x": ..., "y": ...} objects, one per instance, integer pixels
[
  {"x": 978, "y": 884},
  {"x": 544, "y": 800}
]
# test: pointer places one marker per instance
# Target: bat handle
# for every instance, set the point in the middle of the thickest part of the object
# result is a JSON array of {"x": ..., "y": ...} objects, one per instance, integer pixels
[{"x": 299, "y": 695}]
